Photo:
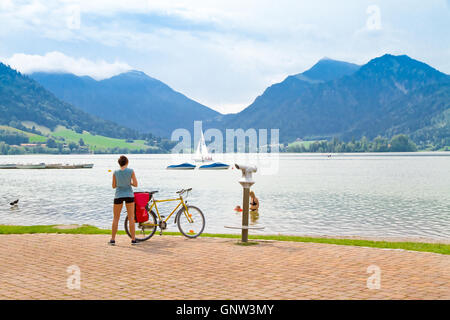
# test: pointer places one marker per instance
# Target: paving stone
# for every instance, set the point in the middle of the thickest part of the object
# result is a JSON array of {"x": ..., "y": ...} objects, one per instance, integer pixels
[{"x": 35, "y": 267}]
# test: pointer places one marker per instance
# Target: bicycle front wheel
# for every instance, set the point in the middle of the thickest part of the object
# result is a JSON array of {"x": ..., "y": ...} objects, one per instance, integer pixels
[
  {"x": 145, "y": 230},
  {"x": 191, "y": 223}
]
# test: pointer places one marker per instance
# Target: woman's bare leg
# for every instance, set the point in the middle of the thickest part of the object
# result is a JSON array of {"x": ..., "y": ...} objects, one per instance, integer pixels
[
  {"x": 130, "y": 211},
  {"x": 117, "y": 209}
]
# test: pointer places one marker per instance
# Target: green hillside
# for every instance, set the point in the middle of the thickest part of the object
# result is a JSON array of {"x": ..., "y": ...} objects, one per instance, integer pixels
[
  {"x": 96, "y": 142},
  {"x": 66, "y": 140},
  {"x": 33, "y": 138}
]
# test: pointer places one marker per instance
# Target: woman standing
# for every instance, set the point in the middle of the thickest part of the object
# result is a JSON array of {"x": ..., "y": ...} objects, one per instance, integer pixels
[{"x": 122, "y": 181}]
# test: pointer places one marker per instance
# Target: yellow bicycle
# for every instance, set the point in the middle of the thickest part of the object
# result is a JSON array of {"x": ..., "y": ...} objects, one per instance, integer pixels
[{"x": 190, "y": 219}]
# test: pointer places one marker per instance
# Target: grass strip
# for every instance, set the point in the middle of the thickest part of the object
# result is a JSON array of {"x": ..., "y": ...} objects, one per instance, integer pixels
[{"x": 88, "y": 229}]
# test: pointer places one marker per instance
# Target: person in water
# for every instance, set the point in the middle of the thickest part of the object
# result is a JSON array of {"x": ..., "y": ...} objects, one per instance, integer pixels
[
  {"x": 238, "y": 209},
  {"x": 122, "y": 181},
  {"x": 254, "y": 202}
]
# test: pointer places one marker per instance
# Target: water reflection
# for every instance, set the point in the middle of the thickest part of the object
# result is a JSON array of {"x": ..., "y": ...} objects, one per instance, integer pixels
[{"x": 254, "y": 216}]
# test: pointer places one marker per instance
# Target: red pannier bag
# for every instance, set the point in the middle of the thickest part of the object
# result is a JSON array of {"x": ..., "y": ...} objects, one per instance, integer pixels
[{"x": 140, "y": 202}]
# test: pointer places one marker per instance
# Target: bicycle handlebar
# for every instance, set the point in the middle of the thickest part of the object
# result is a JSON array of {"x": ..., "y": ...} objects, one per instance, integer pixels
[{"x": 180, "y": 192}]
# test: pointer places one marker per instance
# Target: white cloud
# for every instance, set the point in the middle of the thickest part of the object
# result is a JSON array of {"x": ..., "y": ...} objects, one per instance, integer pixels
[
  {"x": 6, "y": 5},
  {"x": 58, "y": 62},
  {"x": 222, "y": 53}
]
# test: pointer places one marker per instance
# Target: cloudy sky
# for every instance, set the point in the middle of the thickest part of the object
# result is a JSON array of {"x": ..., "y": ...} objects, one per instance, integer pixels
[{"x": 222, "y": 53}]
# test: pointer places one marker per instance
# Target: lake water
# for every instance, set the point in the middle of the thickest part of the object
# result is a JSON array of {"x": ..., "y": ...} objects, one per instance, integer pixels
[{"x": 370, "y": 195}]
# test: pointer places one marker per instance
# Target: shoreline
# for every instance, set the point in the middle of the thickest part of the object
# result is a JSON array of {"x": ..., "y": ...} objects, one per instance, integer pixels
[
  {"x": 422, "y": 244},
  {"x": 387, "y": 238}
]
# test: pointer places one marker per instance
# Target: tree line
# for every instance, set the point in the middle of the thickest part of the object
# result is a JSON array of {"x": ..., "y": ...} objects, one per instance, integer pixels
[{"x": 398, "y": 143}]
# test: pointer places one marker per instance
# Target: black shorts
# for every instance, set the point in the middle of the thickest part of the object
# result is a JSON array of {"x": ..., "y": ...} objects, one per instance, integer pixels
[{"x": 121, "y": 200}]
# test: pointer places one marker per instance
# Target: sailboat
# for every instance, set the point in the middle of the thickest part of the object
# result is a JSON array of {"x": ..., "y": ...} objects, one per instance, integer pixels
[{"x": 202, "y": 154}]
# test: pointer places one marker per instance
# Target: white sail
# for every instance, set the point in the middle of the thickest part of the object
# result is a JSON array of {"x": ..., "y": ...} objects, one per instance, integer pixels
[
  {"x": 204, "y": 148},
  {"x": 202, "y": 154},
  {"x": 198, "y": 152}
]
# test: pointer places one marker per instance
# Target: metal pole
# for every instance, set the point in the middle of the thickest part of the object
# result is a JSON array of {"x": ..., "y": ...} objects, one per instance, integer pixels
[{"x": 245, "y": 215}]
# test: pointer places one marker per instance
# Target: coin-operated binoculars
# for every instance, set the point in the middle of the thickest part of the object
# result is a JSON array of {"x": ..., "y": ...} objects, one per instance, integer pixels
[{"x": 246, "y": 181}]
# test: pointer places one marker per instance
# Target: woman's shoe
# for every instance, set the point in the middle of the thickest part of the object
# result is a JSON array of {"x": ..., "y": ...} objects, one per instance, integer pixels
[
  {"x": 112, "y": 242},
  {"x": 133, "y": 242}
]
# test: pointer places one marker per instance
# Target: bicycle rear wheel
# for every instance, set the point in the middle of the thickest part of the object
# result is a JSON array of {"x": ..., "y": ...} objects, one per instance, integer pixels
[
  {"x": 144, "y": 230},
  {"x": 191, "y": 223}
]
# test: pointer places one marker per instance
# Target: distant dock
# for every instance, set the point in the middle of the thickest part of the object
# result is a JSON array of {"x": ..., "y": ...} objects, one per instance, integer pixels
[{"x": 46, "y": 166}]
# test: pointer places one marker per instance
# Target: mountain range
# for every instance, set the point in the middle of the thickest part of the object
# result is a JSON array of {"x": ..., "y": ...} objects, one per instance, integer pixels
[
  {"x": 386, "y": 96},
  {"x": 132, "y": 99},
  {"x": 23, "y": 99}
]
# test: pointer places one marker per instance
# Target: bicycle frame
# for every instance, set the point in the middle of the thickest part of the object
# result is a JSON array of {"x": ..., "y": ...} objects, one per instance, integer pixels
[{"x": 181, "y": 203}]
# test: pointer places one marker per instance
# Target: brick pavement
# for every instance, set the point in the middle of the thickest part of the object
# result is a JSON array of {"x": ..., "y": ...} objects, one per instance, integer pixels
[{"x": 34, "y": 266}]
